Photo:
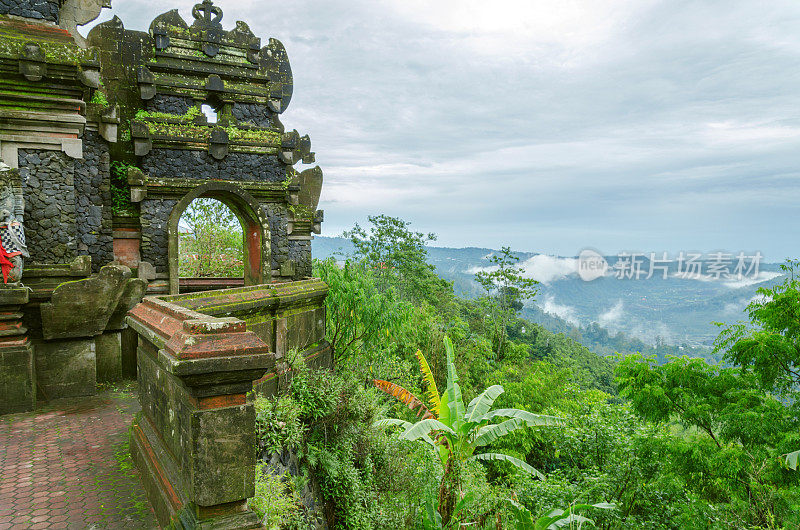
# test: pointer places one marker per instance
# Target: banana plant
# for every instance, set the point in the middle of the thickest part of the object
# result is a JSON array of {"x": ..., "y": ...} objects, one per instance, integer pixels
[
  {"x": 456, "y": 431},
  {"x": 557, "y": 518},
  {"x": 790, "y": 460}
]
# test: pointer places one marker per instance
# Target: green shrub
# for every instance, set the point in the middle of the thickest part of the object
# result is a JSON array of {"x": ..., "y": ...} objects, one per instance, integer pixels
[
  {"x": 275, "y": 502},
  {"x": 278, "y": 423}
]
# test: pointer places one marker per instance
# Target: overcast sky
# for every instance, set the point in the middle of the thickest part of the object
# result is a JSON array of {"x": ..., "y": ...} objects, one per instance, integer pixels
[{"x": 549, "y": 126}]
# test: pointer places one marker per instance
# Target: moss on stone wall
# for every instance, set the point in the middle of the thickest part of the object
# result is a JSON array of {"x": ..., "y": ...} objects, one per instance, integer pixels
[
  {"x": 120, "y": 190},
  {"x": 12, "y": 44}
]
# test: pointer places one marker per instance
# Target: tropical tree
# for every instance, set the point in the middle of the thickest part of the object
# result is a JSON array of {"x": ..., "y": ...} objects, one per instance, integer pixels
[
  {"x": 399, "y": 257},
  {"x": 769, "y": 344},
  {"x": 505, "y": 288},
  {"x": 359, "y": 316},
  {"x": 456, "y": 431}
]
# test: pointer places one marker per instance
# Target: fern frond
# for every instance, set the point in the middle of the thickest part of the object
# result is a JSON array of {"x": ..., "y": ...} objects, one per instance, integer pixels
[
  {"x": 432, "y": 392},
  {"x": 404, "y": 396}
]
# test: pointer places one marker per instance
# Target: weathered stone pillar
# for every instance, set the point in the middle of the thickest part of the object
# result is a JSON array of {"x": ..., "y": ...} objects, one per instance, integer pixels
[
  {"x": 194, "y": 441},
  {"x": 17, "y": 367}
]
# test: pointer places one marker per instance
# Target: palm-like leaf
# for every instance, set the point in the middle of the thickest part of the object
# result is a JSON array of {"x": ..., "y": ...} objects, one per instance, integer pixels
[
  {"x": 533, "y": 420},
  {"x": 444, "y": 410},
  {"x": 452, "y": 395},
  {"x": 500, "y": 457},
  {"x": 427, "y": 375},
  {"x": 489, "y": 433},
  {"x": 479, "y": 406},
  {"x": 403, "y": 395},
  {"x": 424, "y": 428},
  {"x": 559, "y": 518},
  {"x": 790, "y": 460},
  {"x": 456, "y": 404},
  {"x": 391, "y": 422},
  {"x": 452, "y": 376}
]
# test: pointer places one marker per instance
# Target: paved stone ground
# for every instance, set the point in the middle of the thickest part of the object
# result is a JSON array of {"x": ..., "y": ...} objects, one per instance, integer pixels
[{"x": 67, "y": 465}]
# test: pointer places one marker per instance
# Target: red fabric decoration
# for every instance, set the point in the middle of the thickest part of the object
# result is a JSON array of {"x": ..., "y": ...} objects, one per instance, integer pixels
[{"x": 5, "y": 263}]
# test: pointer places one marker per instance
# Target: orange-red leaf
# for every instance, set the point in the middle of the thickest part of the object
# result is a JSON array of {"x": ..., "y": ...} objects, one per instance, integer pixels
[{"x": 403, "y": 395}]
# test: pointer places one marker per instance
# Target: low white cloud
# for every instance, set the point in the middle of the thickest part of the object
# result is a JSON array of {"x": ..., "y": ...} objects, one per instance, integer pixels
[
  {"x": 613, "y": 315},
  {"x": 746, "y": 281},
  {"x": 649, "y": 332},
  {"x": 734, "y": 308},
  {"x": 546, "y": 269},
  {"x": 541, "y": 267},
  {"x": 549, "y": 305}
]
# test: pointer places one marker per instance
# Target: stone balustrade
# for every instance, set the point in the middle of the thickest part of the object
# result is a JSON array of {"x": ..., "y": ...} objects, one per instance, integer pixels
[{"x": 198, "y": 357}]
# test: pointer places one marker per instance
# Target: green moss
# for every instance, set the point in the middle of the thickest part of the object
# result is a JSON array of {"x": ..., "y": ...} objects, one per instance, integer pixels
[
  {"x": 179, "y": 130},
  {"x": 290, "y": 174},
  {"x": 301, "y": 212},
  {"x": 187, "y": 117},
  {"x": 253, "y": 135},
  {"x": 12, "y": 44},
  {"x": 177, "y": 30},
  {"x": 99, "y": 98}
]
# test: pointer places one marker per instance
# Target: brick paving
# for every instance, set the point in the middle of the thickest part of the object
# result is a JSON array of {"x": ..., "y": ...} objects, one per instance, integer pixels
[{"x": 67, "y": 465}]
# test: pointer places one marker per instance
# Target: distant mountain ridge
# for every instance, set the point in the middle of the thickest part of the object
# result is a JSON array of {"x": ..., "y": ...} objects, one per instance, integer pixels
[{"x": 674, "y": 310}]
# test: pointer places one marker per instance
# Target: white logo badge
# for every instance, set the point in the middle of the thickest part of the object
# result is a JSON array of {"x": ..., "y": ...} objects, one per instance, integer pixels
[{"x": 591, "y": 265}]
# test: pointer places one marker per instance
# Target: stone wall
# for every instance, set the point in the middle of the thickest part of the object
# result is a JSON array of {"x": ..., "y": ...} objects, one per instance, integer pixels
[
  {"x": 154, "y": 218},
  {"x": 68, "y": 204},
  {"x": 38, "y": 9},
  {"x": 278, "y": 215},
  {"x": 155, "y": 241},
  {"x": 194, "y": 440},
  {"x": 190, "y": 164},
  {"x": 300, "y": 254},
  {"x": 256, "y": 114},
  {"x": 93, "y": 202},
  {"x": 49, "y": 191},
  {"x": 169, "y": 104}
]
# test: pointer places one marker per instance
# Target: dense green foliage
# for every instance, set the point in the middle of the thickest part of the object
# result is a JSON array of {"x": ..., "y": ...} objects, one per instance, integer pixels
[
  {"x": 211, "y": 241},
  {"x": 120, "y": 190},
  {"x": 645, "y": 442}
]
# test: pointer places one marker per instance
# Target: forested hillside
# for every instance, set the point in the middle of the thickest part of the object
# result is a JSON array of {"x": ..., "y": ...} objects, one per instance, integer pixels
[
  {"x": 448, "y": 412},
  {"x": 657, "y": 317}
]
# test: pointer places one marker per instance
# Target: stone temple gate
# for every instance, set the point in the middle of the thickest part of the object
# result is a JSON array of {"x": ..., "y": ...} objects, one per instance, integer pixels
[{"x": 104, "y": 142}]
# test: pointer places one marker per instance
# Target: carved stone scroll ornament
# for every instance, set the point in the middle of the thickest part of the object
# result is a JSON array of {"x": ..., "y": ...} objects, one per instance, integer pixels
[
  {"x": 12, "y": 233},
  {"x": 76, "y": 13}
]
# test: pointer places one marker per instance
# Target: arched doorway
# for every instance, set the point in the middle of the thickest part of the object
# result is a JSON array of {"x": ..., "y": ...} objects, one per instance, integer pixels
[
  {"x": 210, "y": 246},
  {"x": 254, "y": 226}
]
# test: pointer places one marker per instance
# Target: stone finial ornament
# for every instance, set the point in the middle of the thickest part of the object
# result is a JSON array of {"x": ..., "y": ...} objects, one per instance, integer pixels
[
  {"x": 76, "y": 13},
  {"x": 207, "y": 15},
  {"x": 208, "y": 18},
  {"x": 12, "y": 232}
]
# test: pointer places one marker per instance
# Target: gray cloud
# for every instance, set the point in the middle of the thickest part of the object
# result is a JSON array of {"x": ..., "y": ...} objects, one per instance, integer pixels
[{"x": 550, "y": 127}]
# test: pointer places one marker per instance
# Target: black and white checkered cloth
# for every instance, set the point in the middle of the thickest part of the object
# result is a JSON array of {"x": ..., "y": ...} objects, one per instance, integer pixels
[{"x": 7, "y": 240}]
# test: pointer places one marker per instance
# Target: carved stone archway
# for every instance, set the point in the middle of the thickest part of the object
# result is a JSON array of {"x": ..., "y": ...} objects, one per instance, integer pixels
[{"x": 257, "y": 269}]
